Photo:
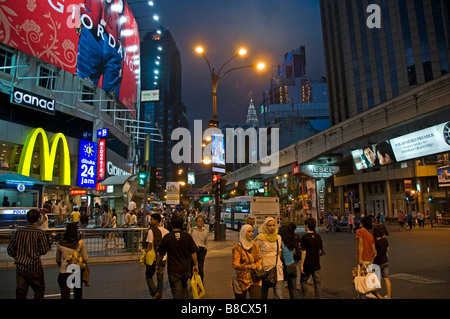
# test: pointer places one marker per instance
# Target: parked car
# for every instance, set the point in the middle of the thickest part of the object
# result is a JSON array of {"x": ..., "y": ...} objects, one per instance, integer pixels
[{"x": 342, "y": 225}]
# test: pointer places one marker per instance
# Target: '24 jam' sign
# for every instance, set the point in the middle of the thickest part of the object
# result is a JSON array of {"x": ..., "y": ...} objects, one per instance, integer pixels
[{"x": 87, "y": 164}]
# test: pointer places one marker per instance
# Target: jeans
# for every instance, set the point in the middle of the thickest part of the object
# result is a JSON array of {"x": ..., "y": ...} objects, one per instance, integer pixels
[
  {"x": 179, "y": 285},
  {"x": 201, "y": 254},
  {"x": 25, "y": 280},
  {"x": 317, "y": 283},
  {"x": 65, "y": 290},
  {"x": 149, "y": 272},
  {"x": 278, "y": 290}
]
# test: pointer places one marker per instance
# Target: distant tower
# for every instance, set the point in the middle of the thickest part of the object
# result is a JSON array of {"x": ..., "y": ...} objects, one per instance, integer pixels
[{"x": 252, "y": 119}]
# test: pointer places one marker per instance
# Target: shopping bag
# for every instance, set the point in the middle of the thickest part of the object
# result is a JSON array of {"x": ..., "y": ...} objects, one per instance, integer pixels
[
  {"x": 142, "y": 259},
  {"x": 365, "y": 281},
  {"x": 198, "y": 291},
  {"x": 150, "y": 258},
  {"x": 147, "y": 259}
]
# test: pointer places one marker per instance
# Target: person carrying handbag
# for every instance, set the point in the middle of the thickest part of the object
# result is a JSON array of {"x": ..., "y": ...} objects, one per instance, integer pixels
[
  {"x": 271, "y": 245},
  {"x": 246, "y": 259},
  {"x": 69, "y": 244}
]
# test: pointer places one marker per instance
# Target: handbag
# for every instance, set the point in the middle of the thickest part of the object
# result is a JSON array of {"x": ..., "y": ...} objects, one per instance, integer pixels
[{"x": 257, "y": 274}]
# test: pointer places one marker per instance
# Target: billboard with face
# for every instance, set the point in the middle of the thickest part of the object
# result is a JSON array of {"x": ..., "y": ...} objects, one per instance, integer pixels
[
  {"x": 428, "y": 141},
  {"x": 97, "y": 40}
]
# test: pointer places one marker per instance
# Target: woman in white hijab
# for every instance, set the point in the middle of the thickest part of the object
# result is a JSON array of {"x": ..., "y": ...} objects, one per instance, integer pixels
[
  {"x": 270, "y": 244},
  {"x": 246, "y": 257}
]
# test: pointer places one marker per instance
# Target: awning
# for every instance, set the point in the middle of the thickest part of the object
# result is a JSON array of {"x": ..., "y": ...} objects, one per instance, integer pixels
[
  {"x": 18, "y": 178},
  {"x": 118, "y": 180}
]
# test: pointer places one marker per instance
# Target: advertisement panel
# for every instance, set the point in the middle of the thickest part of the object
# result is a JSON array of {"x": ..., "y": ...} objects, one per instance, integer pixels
[
  {"x": 218, "y": 149},
  {"x": 87, "y": 164},
  {"x": 97, "y": 40},
  {"x": 431, "y": 140}
]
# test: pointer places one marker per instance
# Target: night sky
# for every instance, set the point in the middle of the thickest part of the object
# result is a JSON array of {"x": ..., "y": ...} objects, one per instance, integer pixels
[{"x": 267, "y": 29}]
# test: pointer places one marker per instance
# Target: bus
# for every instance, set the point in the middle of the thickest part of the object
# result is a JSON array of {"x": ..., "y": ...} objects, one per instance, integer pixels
[{"x": 235, "y": 210}]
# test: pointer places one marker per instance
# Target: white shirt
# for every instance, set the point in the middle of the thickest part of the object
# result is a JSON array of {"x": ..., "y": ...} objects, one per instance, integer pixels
[{"x": 164, "y": 232}]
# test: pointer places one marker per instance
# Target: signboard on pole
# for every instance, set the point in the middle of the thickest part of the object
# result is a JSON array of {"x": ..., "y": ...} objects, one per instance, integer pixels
[
  {"x": 173, "y": 193},
  {"x": 87, "y": 164}
]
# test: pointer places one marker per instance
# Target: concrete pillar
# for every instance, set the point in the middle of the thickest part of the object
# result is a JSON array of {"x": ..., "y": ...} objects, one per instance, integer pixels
[
  {"x": 390, "y": 212},
  {"x": 341, "y": 200},
  {"x": 362, "y": 198}
]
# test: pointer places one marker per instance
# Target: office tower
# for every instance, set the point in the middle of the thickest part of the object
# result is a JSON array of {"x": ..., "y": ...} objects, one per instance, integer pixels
[
  {"x": 252, "y": 118},
  {"x": 294, "y": 102},
  {"x": 366, "y": 65},
  {"x": 161, "y": 71}
]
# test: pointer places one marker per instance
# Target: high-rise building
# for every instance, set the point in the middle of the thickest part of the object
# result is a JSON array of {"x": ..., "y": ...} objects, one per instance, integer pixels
[
  {"x": 252, "y": 118},
  {"x": 161, "y": 71},
  {"x": 366, "y": 65},
  {"x": 294, "y": 102}
]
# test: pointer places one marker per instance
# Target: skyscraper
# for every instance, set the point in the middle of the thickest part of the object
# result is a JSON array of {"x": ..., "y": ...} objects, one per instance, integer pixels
[
  {"x": 252, "y": 118},
  {"x": 366, "y": 65},
  {"x": 161, "y": 70}
]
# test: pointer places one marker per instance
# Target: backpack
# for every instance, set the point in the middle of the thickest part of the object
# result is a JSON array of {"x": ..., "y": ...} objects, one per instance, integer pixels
[{"x": 75, "y": 257}]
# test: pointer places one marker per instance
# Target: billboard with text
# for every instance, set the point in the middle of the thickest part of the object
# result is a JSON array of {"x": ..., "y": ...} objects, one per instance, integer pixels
[
  {"x": 97, "y": 40},
  {"x": 431, "y": 140}
]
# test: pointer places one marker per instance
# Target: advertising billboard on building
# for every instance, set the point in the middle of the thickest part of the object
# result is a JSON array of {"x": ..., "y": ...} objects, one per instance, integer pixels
[
  {"x": 428, "y": 141},
  {"x": 97, "y": 40}
]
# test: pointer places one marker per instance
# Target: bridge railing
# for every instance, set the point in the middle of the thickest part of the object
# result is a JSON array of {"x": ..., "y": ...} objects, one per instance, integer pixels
[{"x": 128, "y": 242}]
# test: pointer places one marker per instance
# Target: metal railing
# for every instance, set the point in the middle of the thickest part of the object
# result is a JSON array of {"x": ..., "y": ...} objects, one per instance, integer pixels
[{"x": 128, "y": 242}]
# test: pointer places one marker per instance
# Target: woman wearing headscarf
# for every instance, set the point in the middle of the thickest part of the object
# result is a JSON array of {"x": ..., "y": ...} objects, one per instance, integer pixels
[
  {"x": 271, "y": 246},
  {"x": 67, "y": 245},
  {"x": 246, "y": 257}
]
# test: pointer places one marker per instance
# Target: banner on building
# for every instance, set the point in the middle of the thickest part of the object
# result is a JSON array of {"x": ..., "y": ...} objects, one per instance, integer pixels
[{"x": 95, "y": 40}]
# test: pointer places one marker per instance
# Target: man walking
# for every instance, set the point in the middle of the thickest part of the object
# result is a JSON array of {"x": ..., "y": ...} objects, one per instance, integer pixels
[
  {"x": 181, "y": 258},
  {"x": 200, "y": 236},
  {"x": 154, "y": 237},
  {"x": 27, "y": 246},
  {"x": 312, "y": 248}
]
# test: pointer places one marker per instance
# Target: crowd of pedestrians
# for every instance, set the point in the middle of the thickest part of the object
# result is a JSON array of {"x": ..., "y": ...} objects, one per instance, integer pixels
[{"x": 263, "y": 259}]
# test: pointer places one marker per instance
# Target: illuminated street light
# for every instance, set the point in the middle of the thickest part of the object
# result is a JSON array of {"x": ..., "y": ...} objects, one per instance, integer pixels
[{"x": 215, "y": 77}]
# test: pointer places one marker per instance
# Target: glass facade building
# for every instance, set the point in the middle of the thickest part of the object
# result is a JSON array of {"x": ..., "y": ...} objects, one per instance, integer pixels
[
  {"x": 367, "y": 66},
  {"x": 161, "y": 70}
]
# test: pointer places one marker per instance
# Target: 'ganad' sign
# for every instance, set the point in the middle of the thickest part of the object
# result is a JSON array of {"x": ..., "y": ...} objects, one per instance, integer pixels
[{"x": 34, "y": 101}]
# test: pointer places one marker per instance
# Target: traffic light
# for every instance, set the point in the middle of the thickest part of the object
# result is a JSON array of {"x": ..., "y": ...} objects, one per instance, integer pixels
[
  {"x": 216, "y": 183},
  {"x": 155, "y": 177},
  {"x": 431, "y": 199},
  {"x": 142, "y": 176}
]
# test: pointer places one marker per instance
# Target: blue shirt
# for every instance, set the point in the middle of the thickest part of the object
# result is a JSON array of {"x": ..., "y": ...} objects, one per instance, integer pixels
[{"x": 288, "y": 255}]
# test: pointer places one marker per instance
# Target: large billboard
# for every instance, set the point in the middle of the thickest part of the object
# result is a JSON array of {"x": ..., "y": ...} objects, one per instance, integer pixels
[
  {"x": 431, "y": 140},
  {"x": 97, "y": 40}
]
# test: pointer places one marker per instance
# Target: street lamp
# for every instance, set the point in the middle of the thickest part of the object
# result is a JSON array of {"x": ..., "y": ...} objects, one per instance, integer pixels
[{"x": 216, "y": 77}]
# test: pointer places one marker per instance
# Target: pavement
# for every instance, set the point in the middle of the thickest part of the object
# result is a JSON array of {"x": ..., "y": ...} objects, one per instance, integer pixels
[{"x": 419, "y": 269}]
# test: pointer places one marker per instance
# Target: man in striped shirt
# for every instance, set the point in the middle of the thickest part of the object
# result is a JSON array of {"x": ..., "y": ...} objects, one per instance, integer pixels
[{"x": 27, "y": 246}]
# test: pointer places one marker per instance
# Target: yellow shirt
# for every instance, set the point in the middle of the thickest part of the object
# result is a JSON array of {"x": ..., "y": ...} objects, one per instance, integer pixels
[{"x": 75, "y": 216}]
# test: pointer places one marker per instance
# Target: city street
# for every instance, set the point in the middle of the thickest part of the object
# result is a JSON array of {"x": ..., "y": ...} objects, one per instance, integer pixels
[{"x": 419, "y": 269}]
